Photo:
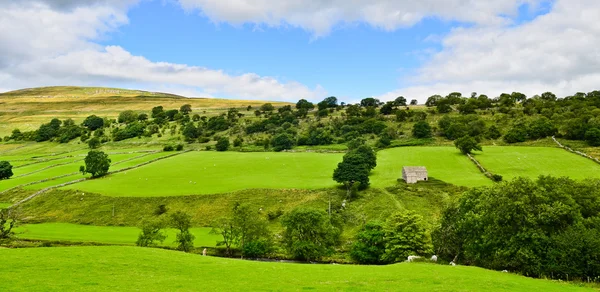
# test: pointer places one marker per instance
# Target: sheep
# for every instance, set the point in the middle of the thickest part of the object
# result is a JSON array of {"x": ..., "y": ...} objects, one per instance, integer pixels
[
  {"x": 434, "y": 258},
  {"x": 452, "y": 263},
  {"x": 413, "y": 258}
]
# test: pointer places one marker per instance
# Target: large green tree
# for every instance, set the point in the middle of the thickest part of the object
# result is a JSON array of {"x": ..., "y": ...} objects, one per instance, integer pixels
[
  {"x": 308, "y": 234},
  {"x": 97, "y": 163},
  {"x": 369, "y": 244},
  {"x": 467, "y": 144},
  {"x": 5, "y": 170},
  {"x": 405, "y": 235},
  {"x": 184, "y": 239}
]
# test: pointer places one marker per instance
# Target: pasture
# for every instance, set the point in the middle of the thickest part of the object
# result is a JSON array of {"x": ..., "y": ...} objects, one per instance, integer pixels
[
  {"x": 105, "y": 234},
  {"x": 514, "y": 161},
  {"x": 443, "y": 163},
  {"x": 203, "y": 172},
  {"x": 111, "y": 269}
]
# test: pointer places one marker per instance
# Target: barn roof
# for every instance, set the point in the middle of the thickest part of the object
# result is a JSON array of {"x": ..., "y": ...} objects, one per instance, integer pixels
[{"x": 414, "y": 168}]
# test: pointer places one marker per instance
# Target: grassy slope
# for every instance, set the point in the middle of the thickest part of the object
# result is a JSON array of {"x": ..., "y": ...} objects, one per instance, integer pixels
[
  {"x": 27, "y": 109},
  {"x": 532, "y": 162},
  {"x": 105, "y": 234},
  {"x": 142, "y": 269}
]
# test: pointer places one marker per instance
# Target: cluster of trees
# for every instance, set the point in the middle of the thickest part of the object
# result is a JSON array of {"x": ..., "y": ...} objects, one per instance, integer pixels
[
  {"x": 550, "y": 226},
  {"x": 402, "y": 235},
  {"x": 575, "y": 117},
  {"x": 152, "y": 230}
]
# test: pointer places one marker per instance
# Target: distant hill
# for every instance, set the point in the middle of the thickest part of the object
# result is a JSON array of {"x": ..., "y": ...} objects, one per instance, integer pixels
[{"x": 76, "y": 91}]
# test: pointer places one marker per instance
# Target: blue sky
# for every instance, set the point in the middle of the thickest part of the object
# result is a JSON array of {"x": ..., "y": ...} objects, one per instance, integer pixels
[{"x": 292, "y": 49}]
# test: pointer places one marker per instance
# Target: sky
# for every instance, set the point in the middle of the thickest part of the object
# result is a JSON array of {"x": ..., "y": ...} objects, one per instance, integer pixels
[{"x": 292, "y": 49}]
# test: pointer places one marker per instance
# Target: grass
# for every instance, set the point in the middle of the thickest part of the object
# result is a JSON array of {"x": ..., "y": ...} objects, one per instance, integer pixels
[
  {"x": 213, "y": 172},
  {"x": 514, "y": 161},
  {"x": 443, "y": 163},
  {"x": 145, "y": 269},
  {"x": 5, "y": 205},
  {"x": 105, "y": 234}
]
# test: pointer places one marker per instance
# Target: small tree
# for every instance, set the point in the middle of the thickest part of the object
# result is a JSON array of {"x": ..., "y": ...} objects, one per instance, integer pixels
[
  {"x": 467, "y": 144},
  {"x": 185, "y": 109},
  {"x": 421, "y": 129},
  {"x": 308, "y": 234},
  {"x": 222, "y": 144},
  {"x": 592, "y": 136},
  {"x": 369, "y": 244},
  {"x": 8, "y": 220},
  {"x": 352, "y": 171},
  {"x": 94, "y": 143},
  {"x": 5, "y": 170},
  {"x": 93, "y": 122},
  {"x": 405, "y": 235},
  {"x": 128, "y": 117},
  {"x": 151, "y": 233},
  {"x": 184, "y": 239},
  {"x": 282, "y": 142},
  {"x": 97, "y": 163}
]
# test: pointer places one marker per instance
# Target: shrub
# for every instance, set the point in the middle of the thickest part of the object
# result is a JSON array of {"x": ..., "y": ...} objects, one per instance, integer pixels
[
  {"x": 168, "y": 148},
  {"x": 5, "y": 170},
  {"x": 421, "y": 129},
  {"x": 222, "y": 144},
  {"x": 497, "y": 178},
  {"x": 179, "y": 147}
]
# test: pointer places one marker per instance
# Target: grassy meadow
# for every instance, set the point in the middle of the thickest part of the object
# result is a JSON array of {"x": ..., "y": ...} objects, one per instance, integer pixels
[
  {"x": 443, "y": 163},
  {"x": 205, "y": 172},
  {"x": 144, "y": 269},
  {"x": 105, "y": 234},
  {"x": 514, "y": 161}
]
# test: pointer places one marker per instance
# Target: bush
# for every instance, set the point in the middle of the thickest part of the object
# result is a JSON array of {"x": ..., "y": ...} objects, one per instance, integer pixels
[
  {"x": 308, "y": 234},
  {"x": 179, "y": 147},
  {"x": 203, "y": 140},
  {"x": 168, "y": 148},
  {"x": 421, "y": 129},
  {"x": 5, "y": 170},
  {"x": 497, "y": 178},
  {"x": 369, "y": 244},
  {"x": 257, "y": 248},
  {"x": 272, "y": 215},
  {"x": 222, "y": 144},
  {"x": 94, "y": 143},
  {"x": 282, "y": 142}
]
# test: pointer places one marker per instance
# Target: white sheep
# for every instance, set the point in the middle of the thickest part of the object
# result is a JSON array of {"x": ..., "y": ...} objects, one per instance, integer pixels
[
  {"x": 412, "y": 258},
  {"x": 434, "y": 258}
]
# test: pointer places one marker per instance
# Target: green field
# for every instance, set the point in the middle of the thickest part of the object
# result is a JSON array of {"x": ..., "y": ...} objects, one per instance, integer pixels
[
  {"x": 204, "y": 172},
  {"x": 443, "y": 163},
  {"x": 4, "y": 205},
  {"x": 104, "y": 234},
  {"x": 144, "y": 269},
  {"x": 514, "y": 161}
]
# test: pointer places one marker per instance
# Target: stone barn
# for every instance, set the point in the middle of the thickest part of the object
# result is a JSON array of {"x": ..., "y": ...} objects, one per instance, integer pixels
[{"x": 413, "y": 174}]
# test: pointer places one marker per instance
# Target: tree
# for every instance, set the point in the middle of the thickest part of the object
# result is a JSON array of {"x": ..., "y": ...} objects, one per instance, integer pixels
[
  {"x": 370, "y": 102},
  {"x": 352, "y": 170},
  {"x": 432, "y": 100},
  {"x": 127, "y": 117},
  {"x": 592, "y": 136},
  {"x": 308, "y": 234},
  {"x": 414, "y": 102},
  {"x": 400, "y": 101},
  {"x": 282, "y": 142},
  {"x": 142, "y": 117},
  {"x": 5, "y": 170},
  {"x": 421, "y": 129},
  {"x": 369, "y": 244},
  {"x": 267, "y": 107},
  {"x": 405, "y": 235},
  {"x": 8, "y": 220},
  {"x": 238, "y": 142},
  {"x": 327, "y": 103},
  {"x": 467, "y": 144},
  {"x": 94, "y": 143},
  {"x": 93, "y": 122},
  {"x": 185, "y": 109},
  {"x": 184, "y": 239},
  {"x": 151, "y": 232},
  {"x": 222, "y": 144},
  {"x": 157, "y": 111},
  {"x": 493, "y": 133},
  {"x": 97, "y": 163},
  {"x": 305, "y": 104}
]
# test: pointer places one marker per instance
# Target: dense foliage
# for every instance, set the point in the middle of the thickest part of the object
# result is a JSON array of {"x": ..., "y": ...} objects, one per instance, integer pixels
[
  {"x": 97, "y": 163},
  {"x": 309, "y": 234},
  {"x": 543, "y": 227}
]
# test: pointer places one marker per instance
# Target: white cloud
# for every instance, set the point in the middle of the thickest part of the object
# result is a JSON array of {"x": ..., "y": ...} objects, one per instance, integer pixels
[
  {"x": 52, "y": 43},
  {"x": 320, "y": 16},
  {"x": 555, "y": 52}
]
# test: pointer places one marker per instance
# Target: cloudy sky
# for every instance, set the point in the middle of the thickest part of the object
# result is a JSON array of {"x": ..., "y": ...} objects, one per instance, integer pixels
[{"x": 292, "y": 49}]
